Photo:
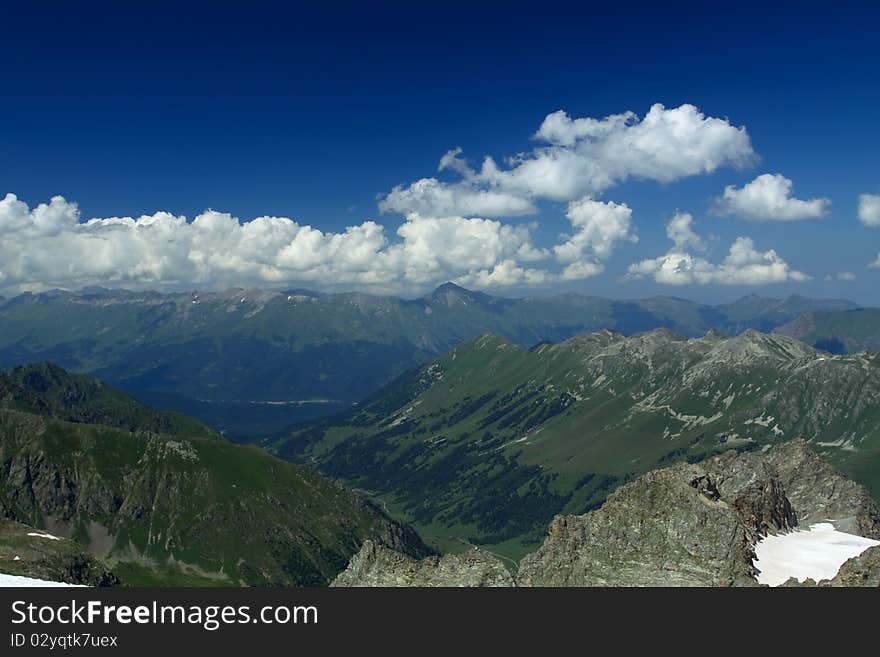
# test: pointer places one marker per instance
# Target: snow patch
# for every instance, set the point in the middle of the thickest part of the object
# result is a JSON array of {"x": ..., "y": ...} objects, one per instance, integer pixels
[
  {"x": 843, "y": 443},
  {"x": 817, "y": 553},
  {"x": 17, "y": 580},
  {"x": 761, "y": 420},
  {"x": 41, "y": 535}
]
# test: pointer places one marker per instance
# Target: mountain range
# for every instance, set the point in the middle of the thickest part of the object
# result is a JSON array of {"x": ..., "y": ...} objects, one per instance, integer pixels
[
  {"x": 483, "y": 446},
  {"x": 486, "y": 444},
  {"x": 252, "y": 362}
]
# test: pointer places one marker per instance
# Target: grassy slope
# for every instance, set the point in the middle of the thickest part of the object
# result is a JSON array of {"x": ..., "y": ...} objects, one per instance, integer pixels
[
  {"x": 46, "y": 389},
  {"x": 163, "y": 509}
]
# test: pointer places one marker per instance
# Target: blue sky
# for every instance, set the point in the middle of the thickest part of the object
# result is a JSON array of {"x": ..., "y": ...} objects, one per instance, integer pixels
[{"x": 316, "y": 115}]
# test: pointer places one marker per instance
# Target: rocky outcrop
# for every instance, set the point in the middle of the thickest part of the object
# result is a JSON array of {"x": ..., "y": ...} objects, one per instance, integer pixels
[
  {"x": 377, "y": 565},
  {"x": 763, "y": 507},
  {"x": 686, "y": 525},
  {"x": 816, "y": 490},
  {"x": 863, "y": 570},
  {"x": 668, "y": 528}
]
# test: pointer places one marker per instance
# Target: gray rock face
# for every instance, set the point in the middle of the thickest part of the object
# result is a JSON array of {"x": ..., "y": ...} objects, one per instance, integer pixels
[
  {"x": 863, "y": 570},
  {"x": 667, "y": 528},
  {"x": 815, "y": 489},
  {"x": 377, "y": 565},
  {"x": 686, "y": 525}
]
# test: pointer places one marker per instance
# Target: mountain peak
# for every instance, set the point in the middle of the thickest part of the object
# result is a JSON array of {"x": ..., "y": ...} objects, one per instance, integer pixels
[
  {"x": 452, "y": 294},
  {"x": 714, "y": 335},
  {"x": 449, "y": 288},
  {"x": 660, "y": 333}
]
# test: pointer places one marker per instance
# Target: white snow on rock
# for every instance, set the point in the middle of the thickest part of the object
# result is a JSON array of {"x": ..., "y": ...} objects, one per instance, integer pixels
[
  {"x": 817, "y": 553},
  {"x": 41, "y": 535},
  {"x": 17, "y": 580}
]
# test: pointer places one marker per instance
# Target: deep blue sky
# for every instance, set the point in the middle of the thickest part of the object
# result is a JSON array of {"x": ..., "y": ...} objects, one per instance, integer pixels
[{"x": 311, "y": 113}]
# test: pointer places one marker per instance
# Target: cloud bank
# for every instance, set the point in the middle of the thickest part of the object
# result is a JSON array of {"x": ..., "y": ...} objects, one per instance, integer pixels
[{"x": 49, "y": 246}]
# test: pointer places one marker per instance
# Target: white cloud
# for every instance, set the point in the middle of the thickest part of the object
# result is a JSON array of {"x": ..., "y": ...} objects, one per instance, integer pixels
[
  {"x": 869, "y": 209},
  {"x": 48, "y": 246},
  {"x": 743, "y": 265},
  {"x": 875, "y": 264},
  {"x": 431, "y": 197},
  {"x": 599, "y": 226},
  {"x": 506, "y": 274},
  {"x": 768, "y": 198},
  {"x": 580, "y": 157},
  {"x": 845, "y": 276},
  {"x": 680, "y": 232},
  {"x": 580, "y": 270}
]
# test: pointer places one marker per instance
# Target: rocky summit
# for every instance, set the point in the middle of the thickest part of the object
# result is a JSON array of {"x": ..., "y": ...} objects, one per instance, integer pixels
[
  {"x": 377, "y": 565},
  {"x": 692, "y": 524}
]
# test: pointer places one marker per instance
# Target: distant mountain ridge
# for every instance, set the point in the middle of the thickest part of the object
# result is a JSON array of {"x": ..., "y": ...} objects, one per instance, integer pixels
[
  {"x": 840, "y": 332},
  {"x": 220, "y": 356}
]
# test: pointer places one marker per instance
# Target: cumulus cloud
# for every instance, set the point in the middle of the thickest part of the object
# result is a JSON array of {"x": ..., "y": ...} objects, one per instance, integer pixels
[
  {"x": 506, "y": 273},
  {"x": 578, "y": 158},
  {"x": 768, "y": 198},
  {"x": 875, "y": 264},
  {"x": 429, "y": 196},
  {"x": 743, "y": 265},
  {"x": 682, "y": 235},
  {"x": 49, "y": 246},
  {"x": 869, "y": 209},
  {"x": 598, "y": 227}
]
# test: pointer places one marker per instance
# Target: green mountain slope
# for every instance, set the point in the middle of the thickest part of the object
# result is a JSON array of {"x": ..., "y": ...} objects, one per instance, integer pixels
[
  {"x": 489, "y": 442},
  {"x": 846, "y": 331},
  {"x": 177, "y": 509},
  {"x": 46, "y": 389},
  {"x": 222, "y": 356}
]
